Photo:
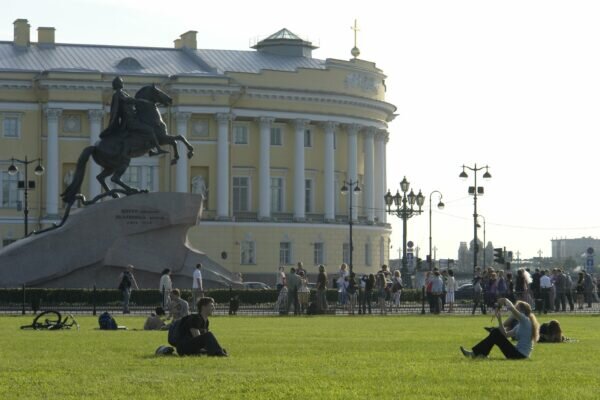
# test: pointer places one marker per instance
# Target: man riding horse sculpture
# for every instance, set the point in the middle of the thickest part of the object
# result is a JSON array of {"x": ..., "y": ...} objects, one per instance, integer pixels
[{"x": 135, "y": 129}]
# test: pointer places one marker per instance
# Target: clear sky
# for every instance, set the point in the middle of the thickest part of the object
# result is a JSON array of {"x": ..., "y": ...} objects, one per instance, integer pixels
[{"x": 510, "y": 84}]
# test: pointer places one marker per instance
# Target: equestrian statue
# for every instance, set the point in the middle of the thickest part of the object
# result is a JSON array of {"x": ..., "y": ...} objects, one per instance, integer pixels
[{"x": 135, "y": 128}]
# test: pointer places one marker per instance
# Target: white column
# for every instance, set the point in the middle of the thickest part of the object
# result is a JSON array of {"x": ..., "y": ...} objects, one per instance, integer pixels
[
  {"x": 264, "y": 168},
  {"x": 223, "y": 166},
  {"x": 380, "y": 186},
  {"x": 181, "y": 168},
  {"x": 352, "y": 162},
  {"x": 385, "y": 141},
  {"x": 329, "y": 188},
  {"x": 299, "y": 181},
  {"x": 52, "y": 162},
  {"x": 369, "y": 175},
  {"x": 95, "y": 117}
]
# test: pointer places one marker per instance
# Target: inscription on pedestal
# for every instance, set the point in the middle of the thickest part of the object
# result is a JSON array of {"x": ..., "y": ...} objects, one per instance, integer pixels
[{"x": 145, "y": 217}]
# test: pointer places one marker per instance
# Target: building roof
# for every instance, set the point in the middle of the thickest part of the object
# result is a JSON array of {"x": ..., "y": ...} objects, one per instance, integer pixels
[
  {"x": 105, "y": 59},
  {"x": 144, "y": 60},
  {"x": 255, "y": 61}
]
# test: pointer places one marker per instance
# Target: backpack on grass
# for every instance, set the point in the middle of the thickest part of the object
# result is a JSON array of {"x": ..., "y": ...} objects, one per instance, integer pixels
[
  {"x": 107, "y": 322},
  {"x": 175, "y": 331}
]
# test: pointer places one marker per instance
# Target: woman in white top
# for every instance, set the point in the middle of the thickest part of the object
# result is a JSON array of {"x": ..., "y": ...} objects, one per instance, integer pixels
[
  {"x": 303, "y": 292},
  {"x": 165, "y": 286},
  {"x": 450, "y": 289}
]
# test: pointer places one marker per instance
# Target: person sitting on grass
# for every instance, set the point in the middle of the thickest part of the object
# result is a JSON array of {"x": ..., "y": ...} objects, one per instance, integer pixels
[
  {"x": 526, "y": 332},
  {"x": 155, "y": 321},
  {"x": 195, "y": 337},
  {"x": 178, "y": 307}
]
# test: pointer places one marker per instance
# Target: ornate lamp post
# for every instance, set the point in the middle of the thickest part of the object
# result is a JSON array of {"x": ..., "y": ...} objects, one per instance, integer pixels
[
  {"x": 26, "y": 184},
  {"x": 474, "y": 191},
  {"x": 403, "y": 211},
  {"x": 440, "y": 205},
  {"x": 353, "y": 186}
]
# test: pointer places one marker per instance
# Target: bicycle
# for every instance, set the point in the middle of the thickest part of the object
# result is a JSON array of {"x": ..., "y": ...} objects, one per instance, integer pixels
[{"x": 52, "y": 320}]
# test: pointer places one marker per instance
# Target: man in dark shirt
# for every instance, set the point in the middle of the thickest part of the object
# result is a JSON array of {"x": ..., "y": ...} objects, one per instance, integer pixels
[{"x": 195, "y": 336}]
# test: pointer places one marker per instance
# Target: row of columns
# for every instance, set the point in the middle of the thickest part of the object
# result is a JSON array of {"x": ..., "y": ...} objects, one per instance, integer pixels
[{"x": 374, "y": 168}]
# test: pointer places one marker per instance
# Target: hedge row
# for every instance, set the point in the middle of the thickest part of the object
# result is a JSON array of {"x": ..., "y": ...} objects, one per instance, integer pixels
[{"x": 148, "y": 297}]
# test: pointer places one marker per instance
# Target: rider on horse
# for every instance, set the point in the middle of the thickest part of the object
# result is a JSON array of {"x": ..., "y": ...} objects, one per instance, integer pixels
[{"x": 123, "y": 118}]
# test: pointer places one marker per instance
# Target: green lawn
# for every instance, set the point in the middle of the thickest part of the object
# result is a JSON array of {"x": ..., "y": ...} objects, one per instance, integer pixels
[{"x": 395, "y": 357}]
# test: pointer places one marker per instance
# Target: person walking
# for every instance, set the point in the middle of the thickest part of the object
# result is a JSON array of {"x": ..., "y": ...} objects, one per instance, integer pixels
[
  {"x": 451, "y": 288},
  {"x": 580, "y": 290},
  {"x": 197, "y": 285},
  {"x": 293, "y": 285},
  {"x": 165, "y": 286},
  {"x": 396, "y": 290},
  {"x": 322, "y": 290},
  {"x": 546, "y": 288},
  {"x": 126, "y": 282}
]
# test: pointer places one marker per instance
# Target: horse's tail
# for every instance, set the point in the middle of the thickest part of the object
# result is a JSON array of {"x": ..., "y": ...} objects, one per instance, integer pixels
[{"x": 73, "y": 189}]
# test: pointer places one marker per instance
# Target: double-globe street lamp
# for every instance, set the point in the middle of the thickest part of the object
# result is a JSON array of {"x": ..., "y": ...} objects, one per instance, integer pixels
[
  {"x": 440, "y": 206},
  {"x": 474, "y": 191},
  {"x": 26, "y": 184},
  {"x": 403, "y": 211},
  {"x": 355, "y": 189}
]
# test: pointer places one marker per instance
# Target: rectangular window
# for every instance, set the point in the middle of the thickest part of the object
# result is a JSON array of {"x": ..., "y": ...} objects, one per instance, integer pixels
[
  {"x": 318, "y": 253},
  {"x": 307, "y": 138},
  {"x": 247, "y": 252},
  {"x": 308, "y": 196},
  {"x": 10, "y": 192},
  {"x": 368, "y": 254},
  {"x": 241, "y": 193},
  {"x": 276, "y": 136},
  {"x": 11, "y": 126},
  {"x": 346, "y": 253},
  {"x": 285, "y": 253},
  {"x": 277, "y": 194},
  {"x": 240, "y": 134}
]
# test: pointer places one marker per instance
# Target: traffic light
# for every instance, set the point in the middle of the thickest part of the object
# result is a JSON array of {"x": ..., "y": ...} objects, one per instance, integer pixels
[
  {"x": 499, "y": 256},
  {"x": 419, "y": 263}
]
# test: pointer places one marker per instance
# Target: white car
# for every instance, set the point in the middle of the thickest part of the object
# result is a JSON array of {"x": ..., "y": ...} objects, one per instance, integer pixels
[{"x": 256, "y": 285}]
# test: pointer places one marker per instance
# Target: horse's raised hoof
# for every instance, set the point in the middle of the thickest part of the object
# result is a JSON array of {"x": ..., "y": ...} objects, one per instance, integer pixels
[
  {"x": 115, "y": 195},
  {"x": 190, "y": 154}
]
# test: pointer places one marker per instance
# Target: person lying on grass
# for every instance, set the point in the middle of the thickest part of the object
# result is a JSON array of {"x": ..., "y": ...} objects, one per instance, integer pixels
[
  {"x": 195, "y": 337},
  {"x": 526, "y": 332}
]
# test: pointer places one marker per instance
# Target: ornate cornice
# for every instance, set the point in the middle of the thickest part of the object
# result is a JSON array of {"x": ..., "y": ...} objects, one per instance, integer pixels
[
  {"x": 53, "y": 113},
  {"x": 321, "y": 97},
  {"x": 330, "y": 126},
  {"x": 204, "y": 89},
  {"x": 73, "y": 85},
  {"x": 15, "y": 84},
  {"x": 182, "y": 116}
]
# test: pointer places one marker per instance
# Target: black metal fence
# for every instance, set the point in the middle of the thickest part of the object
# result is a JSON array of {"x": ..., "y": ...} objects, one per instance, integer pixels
[{"x": 25, "y": 300}]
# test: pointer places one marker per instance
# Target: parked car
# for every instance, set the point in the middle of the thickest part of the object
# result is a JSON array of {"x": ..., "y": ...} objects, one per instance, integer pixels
[
  {"x": 255, "y": 286},
  {"x": 464, "y": 291}
]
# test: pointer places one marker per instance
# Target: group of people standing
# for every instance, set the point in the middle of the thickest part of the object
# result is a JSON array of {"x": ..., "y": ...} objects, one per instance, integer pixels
[
  {"x": 356, "y": 294},
  {"x": 440, "y": 287},
  {"x": 127, "y": 282}
]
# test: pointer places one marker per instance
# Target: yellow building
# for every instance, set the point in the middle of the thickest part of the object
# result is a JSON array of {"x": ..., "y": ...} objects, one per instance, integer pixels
[{"x": 276, "y": 134}]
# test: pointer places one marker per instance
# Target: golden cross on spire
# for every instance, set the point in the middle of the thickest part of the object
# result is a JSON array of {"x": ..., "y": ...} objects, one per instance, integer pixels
[{"x": 355, "y": 51}]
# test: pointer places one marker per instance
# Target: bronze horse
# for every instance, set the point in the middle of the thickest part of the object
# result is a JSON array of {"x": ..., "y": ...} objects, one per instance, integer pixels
[{"x": 114, "y": 153}]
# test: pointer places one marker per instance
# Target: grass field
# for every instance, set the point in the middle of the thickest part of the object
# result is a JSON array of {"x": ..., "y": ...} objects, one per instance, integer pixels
[{"x": 399, "y": 357}]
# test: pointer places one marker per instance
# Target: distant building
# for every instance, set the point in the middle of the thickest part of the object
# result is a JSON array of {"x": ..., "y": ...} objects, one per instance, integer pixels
[
  {"x": 574, "y": 248},
  {"x": 485, "y": 256}
]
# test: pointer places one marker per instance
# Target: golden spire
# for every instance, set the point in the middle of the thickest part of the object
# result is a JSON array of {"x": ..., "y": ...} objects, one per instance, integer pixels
[{"x": 355, "y": 51}]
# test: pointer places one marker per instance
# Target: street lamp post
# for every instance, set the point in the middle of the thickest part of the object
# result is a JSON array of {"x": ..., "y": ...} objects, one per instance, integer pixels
[
  {"x": 440, "y": 205},
  {"x": 26, "y": 184},
  {"x": 474, "y": 191},
  {"x": 403, "y": 211},
  {"x": 350, "y": 186},
  {"x": 484, "y": 242}
]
